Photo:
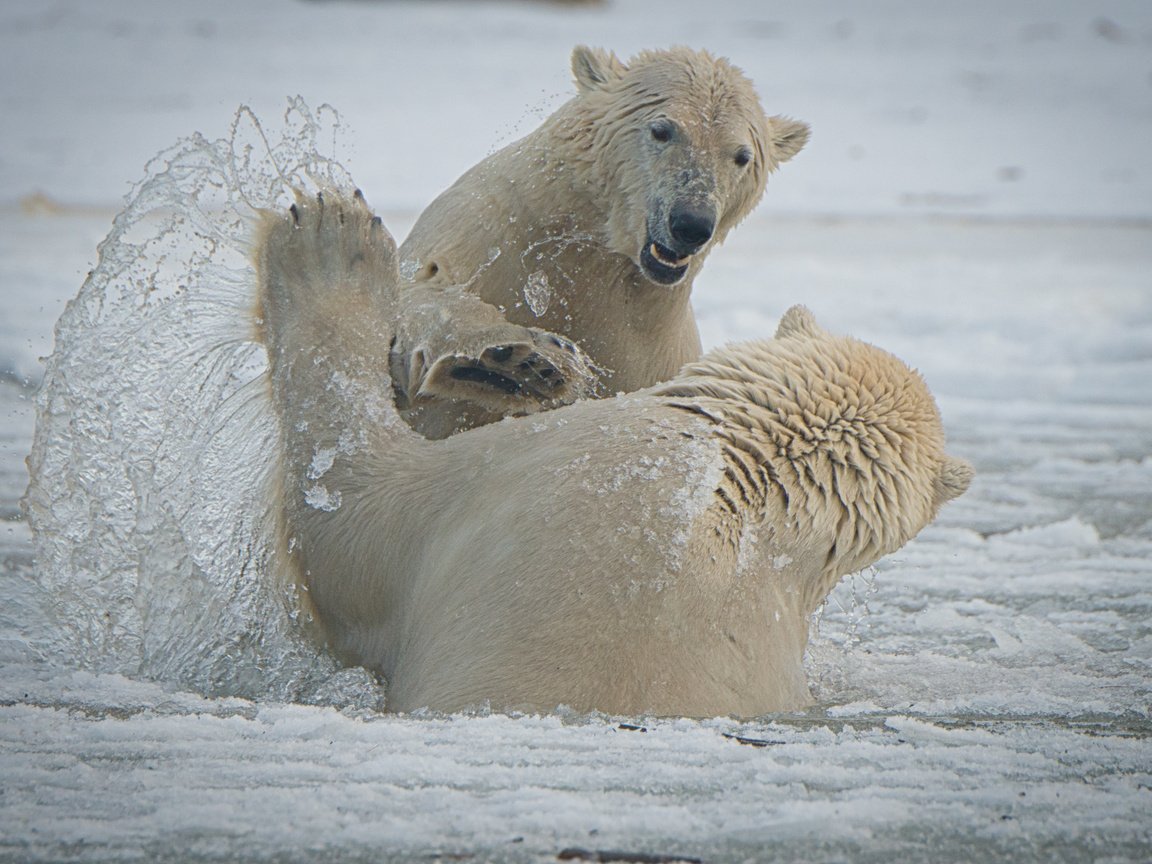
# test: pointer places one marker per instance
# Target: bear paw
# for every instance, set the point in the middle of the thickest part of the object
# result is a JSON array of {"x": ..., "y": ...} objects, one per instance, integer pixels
[
  {"x": 538, "y": 371},
  {"x": 323, "y": 246}
]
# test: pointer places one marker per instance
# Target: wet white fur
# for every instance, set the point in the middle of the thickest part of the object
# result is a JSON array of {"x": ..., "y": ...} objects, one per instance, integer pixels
[
  {"x": 549, "y": 230},
  {"x": 657, "y": 552}
]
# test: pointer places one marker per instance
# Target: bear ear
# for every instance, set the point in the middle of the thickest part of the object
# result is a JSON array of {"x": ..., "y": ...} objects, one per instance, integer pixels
[
  {"x": 798, "y": 321},
  {"x": 788, "y": 137},
  {"x": 593, "y": 68},
  {"x": 953, "y": 480}
]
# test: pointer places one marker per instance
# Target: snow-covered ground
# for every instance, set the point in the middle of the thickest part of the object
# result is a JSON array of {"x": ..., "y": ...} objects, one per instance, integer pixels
[{"x": 977, "y": 198}]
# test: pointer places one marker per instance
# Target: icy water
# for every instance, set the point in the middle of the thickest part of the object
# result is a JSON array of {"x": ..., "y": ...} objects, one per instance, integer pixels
[
  {"x": 975, "y": 199},
  {"x": 984, "y": 694}
]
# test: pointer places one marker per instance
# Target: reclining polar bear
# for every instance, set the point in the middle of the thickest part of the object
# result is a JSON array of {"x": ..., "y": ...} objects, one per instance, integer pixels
[
  {"x": 590, "y": 230},
  {"x": 657, "y": 552}
]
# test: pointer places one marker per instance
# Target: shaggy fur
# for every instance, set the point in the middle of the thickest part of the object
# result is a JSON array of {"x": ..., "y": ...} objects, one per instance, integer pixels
[
  {"x": 658, "y": 552},
  {"x": 667, "y": 152}
]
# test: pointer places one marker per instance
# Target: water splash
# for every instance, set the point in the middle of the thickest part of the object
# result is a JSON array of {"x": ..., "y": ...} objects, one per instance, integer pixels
[
  {"x": 537, "y": 292},
  {"x": 151, "y": 476},
  {"x": 845, "y": 611},
  {"x": 838, "y": 627}
]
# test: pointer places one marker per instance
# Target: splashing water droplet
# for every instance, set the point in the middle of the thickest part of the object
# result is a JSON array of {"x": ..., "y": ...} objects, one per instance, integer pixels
[
  {"x": 151, "y": 485},
  {"x": 538, "y": 293}
]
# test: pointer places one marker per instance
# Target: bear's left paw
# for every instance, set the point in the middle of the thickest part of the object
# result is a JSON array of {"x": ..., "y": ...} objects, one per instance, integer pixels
[{"x": 540, "y": 371}]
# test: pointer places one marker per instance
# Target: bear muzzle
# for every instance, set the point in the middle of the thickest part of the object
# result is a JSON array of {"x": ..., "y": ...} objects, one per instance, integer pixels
[{"x": 669, "y": 247}]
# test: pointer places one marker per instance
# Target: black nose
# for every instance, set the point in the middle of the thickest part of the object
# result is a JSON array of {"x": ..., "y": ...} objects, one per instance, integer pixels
[{"x": 692, "y": 227}]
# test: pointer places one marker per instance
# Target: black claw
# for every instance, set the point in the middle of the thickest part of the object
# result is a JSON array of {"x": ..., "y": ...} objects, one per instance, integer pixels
[
  {"x": 320, "y": 198},
  {"x": 547, "y": 372},
  {"x": 358, "y": 195},
  {"x": 486, "y": 377},
  {"x": 377, "y": 221},
  {"x": 295, "y": 214}
]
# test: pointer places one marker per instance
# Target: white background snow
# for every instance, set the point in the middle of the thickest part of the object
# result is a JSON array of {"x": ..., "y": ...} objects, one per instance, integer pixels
[{"x": 977, "y": 198}]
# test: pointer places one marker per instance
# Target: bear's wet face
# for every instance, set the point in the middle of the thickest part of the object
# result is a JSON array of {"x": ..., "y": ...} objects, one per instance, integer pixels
[{"x": 696, "y": 175}]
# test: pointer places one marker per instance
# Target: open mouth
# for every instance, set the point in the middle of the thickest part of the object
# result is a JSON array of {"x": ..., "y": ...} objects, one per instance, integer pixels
[{"x": 660, "y": 263}]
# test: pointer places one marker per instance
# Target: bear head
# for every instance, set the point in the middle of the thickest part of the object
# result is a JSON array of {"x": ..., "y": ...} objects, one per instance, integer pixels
[
  {"x": 683, "y": 137},
  {"x": 865, "y": 436}
]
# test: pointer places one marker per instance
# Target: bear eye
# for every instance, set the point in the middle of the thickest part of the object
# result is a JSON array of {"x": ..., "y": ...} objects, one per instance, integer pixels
[
  {"x": 743, "y": 156},
  {"x": 661, "y": 130}
]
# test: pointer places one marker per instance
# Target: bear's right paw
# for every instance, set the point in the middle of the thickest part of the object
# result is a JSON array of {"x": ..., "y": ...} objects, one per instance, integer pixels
[{"x": 323, "y": 247}]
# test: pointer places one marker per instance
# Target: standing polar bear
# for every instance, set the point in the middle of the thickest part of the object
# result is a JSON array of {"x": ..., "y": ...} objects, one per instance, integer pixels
[
  {"x": 592, "y": 229},
  {"x": 658, "y": 552}
]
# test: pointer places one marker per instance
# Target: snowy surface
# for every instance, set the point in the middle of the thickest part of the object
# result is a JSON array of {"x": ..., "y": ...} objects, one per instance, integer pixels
[{"x": 977, "y": 198}]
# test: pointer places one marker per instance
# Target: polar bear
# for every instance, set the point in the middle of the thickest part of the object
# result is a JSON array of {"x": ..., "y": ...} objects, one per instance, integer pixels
[
  {"x": 592, "y": 228},
  {"x": 659, "y": 552}
]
